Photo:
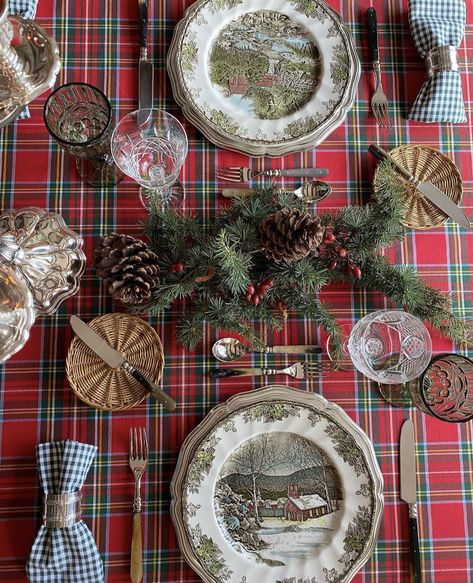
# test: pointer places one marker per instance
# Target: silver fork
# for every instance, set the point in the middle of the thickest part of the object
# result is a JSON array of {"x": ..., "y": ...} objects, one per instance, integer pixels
[
  {"x": 138, "y": 463},
  {"x": 379, "y": 102},
  {"x": 297, "y": 370},
  {"x": 240, "y": 174}
]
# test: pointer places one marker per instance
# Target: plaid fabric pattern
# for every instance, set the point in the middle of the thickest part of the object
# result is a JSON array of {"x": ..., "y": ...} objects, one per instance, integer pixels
[
  {"x": 64, "y": 555},
  {"x": 438, "y": 23},
  {"x": 26, "y": 9},
  {"x": 99, "y": 44}
]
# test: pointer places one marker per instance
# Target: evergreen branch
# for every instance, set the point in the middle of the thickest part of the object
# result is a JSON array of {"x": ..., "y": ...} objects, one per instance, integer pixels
[{"x": 234, "y": 264}]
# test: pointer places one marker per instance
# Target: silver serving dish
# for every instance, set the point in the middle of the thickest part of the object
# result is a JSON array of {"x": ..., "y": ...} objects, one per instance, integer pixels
[
  {"x": 17, "y": 313},
  {"x": 45, "y": 252}
]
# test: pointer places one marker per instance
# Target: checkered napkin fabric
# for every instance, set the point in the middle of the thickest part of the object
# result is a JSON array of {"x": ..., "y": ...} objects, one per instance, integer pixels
[
  {"x": 26, "y": 9},
  {"x": 436, "y": 23},
  {"x": 64, "y": 555}
]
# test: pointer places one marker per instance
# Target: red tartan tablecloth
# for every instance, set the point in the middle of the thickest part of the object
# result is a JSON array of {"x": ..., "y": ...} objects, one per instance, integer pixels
[{"x": 98, "y": 43}]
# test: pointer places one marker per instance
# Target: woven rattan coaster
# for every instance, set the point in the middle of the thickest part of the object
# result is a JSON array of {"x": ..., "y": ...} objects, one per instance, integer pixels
[
  {"x": 109, "y": 389},
  {"x": 426, "y": 163}
]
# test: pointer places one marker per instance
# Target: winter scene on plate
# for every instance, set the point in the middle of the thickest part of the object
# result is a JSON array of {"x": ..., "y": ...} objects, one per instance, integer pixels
[
  {"x": 266, "y": 64},
  {"x": 278, "y": 498}
]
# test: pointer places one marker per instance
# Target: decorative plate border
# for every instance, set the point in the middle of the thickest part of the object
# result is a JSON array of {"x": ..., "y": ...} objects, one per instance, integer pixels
[
  {"x": 311, "y": 137},
  {"x": 217, "y": 416}
]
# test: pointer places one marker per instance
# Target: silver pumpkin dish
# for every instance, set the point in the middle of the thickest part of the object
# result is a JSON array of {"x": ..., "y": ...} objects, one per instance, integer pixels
[
  {"x": 48, "y": 255},
  {"x": 16, "y": 312}
]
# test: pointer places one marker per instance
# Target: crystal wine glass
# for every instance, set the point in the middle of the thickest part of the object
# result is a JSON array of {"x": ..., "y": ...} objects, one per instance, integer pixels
[
  {"x": 150, "y": 146},
  {"x": 390, "y": 347}
]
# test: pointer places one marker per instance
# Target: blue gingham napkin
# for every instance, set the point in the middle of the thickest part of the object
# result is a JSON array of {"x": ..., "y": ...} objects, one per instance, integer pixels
[
  {"x": 436, "y": 23},
  {"x": 64, "y": 555},
  {"x": 26, "y": 9}
]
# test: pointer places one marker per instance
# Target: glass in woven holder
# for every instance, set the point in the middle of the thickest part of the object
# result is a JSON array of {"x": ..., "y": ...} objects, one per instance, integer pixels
[
  {"x": 79, "y": 117},
  {"x": 445, "y": 389},
  {"x": 150, "y": 146}
]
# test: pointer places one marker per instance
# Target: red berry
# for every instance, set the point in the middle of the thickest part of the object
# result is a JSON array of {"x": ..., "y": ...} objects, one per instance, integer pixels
[
  {"x": 356, "y": 271},
  {"x": 342, "y": 252},
  {"x": 248, "y": 296},
  {"x": 255, "y": 299},
  {"x": 332, "y": 265},
  {"x": 329, "y": 238},
  {"x": 251, "y": 289},
  {"x": 267, "y": 283},
  {"x": 172, "y": 269},
  {"x": 179, "y": 266}
]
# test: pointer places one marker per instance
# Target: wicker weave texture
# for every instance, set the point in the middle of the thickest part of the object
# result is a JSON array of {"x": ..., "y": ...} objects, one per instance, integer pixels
[
  {"x": 109, "y": 389},
  {"x": 427, "y": 164}
]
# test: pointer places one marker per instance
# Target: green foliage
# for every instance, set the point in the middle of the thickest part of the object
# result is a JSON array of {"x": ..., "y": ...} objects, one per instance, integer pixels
[
  {"x": 226, "y": 63},
  {"x": 220, "y": 259}
]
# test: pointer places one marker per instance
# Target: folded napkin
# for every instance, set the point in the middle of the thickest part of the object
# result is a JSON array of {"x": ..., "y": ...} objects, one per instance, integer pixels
[
  {"x": 64, "y": 555},
  {"x": 26, "y": 9},
  {"x": 438, "y": 23}
]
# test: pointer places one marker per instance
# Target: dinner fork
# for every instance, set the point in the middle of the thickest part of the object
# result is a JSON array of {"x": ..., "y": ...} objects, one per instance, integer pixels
[
  {"x": 138, "y": 463},
  {"x": 297, "y": 370},
  {"x": 379, "y": 102},
  {"x": 239, "y": 174}
]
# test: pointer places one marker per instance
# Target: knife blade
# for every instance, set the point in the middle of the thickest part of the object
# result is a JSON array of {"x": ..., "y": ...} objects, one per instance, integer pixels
[
  {"x": 431, "y": 192},
  {"x": 115, "y": 359},
  {"x": 146, "y": 69},
  {"x": 408, "y": 493}
]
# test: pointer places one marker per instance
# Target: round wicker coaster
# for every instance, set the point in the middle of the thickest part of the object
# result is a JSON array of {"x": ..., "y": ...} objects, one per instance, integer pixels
[
  {"x": 426, "y": 163},
  {"x": 110, "y": 389}
]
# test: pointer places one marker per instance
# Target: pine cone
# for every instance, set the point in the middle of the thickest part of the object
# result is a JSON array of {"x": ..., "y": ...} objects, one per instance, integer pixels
[
  {"x": 128, "y": 267},
  {"x": 290, "y": 234}
]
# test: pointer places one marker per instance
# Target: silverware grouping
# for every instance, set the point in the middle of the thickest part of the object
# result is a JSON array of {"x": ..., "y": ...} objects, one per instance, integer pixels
[
  {"x": 379, "y": 101},
  {"x": 297, "y": 370},
  {"x": 312, "y": 191},
  {"x": 138, "y": 463},
  {"x": 240, "y": 174}
]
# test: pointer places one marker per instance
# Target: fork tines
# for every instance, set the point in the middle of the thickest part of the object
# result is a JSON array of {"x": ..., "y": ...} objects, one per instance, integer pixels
[
  {"x": 234, "y": 174},
  {"x": 381, "y": 113},
  {"x": 315, "y": 368},
  {"x": 138, "y": 443}
]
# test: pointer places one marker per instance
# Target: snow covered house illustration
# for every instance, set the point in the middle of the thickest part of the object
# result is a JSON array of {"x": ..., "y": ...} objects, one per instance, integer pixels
[{"x": 301, "y": 508}]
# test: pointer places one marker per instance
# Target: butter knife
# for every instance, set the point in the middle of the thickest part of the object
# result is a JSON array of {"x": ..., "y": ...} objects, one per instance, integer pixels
[
  {"x": 116, "y": 360},
  {"x": 145, "y": 78},
  {"x": 431, "y": 192},
  {"x": 407, "y": 464}
]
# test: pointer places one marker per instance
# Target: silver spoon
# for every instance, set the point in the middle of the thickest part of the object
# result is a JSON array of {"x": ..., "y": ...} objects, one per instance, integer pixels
[
  {"x": 312, "y": 191},
  {"x": 232, "y": 349}
]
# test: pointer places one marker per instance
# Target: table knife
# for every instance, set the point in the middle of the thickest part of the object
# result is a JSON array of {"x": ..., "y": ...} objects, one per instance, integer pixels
[
  {"x": 116, "y": 360},
  {"x": 431, "y": 192},
  {"x": 407, "y": 465},
  {"x": 145, "y": 65}
]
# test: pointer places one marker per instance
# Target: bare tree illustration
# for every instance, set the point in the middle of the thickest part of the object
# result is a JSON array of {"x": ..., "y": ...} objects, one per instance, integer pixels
[
  {"x": 254, "y": 458},
  {"x": 305, "y": 455}
]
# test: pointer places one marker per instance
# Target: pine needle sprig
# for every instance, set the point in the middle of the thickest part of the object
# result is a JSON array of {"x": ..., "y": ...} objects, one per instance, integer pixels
[{"x": 234, "y": 264}]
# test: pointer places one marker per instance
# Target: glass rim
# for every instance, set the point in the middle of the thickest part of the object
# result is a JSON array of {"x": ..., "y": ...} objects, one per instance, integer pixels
[
  {"x": 152, "y": 109},
  {"x": 95, "y": 138},
  {"x": 421, "y": 385}
]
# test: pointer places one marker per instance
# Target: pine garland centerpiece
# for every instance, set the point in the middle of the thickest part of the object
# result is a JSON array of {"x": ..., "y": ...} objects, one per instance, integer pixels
[{"x": 265, "y": 256}]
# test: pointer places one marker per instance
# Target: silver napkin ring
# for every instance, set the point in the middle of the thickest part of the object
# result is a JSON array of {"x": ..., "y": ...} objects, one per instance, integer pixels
[
  {"x": 62, "y": 510},
  {"x": 441, "y": 59}
]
